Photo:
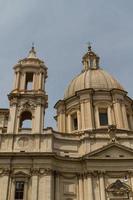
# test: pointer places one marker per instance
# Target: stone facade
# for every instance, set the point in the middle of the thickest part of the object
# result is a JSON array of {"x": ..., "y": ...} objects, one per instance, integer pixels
[{"x": 90, "y": 157}]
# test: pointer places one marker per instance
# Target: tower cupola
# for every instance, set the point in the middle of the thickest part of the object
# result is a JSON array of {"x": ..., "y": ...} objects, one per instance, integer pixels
[{"x": 28, "y": 99}]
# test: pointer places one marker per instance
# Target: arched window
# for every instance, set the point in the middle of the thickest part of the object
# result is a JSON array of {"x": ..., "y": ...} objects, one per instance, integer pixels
[
  {"x": 26, "y": 120},
  {"x": 29, "y": 81}
]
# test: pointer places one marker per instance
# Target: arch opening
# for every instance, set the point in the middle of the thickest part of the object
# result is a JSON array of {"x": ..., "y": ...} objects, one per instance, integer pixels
[{"x": 26, "y": 120}]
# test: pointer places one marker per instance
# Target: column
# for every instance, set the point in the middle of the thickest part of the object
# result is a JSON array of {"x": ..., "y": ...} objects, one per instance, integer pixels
[
  {"x": 58, "y": 122},
  {"x": 82, "y": 115},
  {"x": 90, "y": 187},
  {"x": 102, "y": 186},
  {"x": 88, "y": 115},
  {"x": 43, "y": 82},
  {"x": 40, "y": 81},
  {"x": 12, "y": 118},
  {"x": 85, "y": 187},
  {"x": 34, "y": 81},
  {"x": 80, "y": 187},
  {"x": 12, "y": 189},
  {"x": 23, "y": 81},
  {"x": 131, "y": 178},
  {"x": 38, "y": 119},
  {"x": 124, "y": 115},
  {"x": 62, "y": 121},
  {"x": 109, "y": 116},
  {"x": 14, "y": 81},
  {"x": 34, "y": 189},
  {"x": 79, "y": 120},
  {"x": 42, "y": 185},
  {"x": 97, "y": 123},
  {"x": 131, "y": 121},
  {"x": 17, "y": 80},
  {"x": 57, "y": 186},
  {"x": 118, "y": 114},
  {"x": 26, "y": 190},
  {"x": 69, "y": 123}
]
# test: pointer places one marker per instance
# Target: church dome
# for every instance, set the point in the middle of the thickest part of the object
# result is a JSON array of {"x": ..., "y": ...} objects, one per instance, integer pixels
[{"x": 92, "y": 77}]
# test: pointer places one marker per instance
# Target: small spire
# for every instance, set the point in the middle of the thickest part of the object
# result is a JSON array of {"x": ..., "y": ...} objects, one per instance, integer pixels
[
  {"x": 89, "y": 46},
  {"x": 33, "y": 45},
  {"x": 32, "y": 52}
]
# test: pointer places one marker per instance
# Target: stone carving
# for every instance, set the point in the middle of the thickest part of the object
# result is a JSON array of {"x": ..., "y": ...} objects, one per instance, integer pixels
[
  {"x": 13, "y": 100},
  {"x": 119, "y": 189},
  {"x": 23, "y": 141},
  {"x": 4, "y": 171},
  {"x": 42, "y": 171},
  {"x": 35, "y": 171},
  {"x": 112, "y": 133},
  {"x": 26, "y": 105}
]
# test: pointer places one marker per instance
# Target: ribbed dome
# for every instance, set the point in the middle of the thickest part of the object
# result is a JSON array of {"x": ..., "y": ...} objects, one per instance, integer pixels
[
  {"x": 97, "y": 79},
  {"x": 92, "y": 77}
]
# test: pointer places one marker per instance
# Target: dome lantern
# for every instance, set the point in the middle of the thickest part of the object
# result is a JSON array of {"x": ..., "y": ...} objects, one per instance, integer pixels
[{"x": 90, "y": 60}]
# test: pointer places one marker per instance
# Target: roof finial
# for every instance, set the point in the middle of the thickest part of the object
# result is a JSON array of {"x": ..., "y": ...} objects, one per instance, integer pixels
[
  {"x": 33, "y": 45},
  {"x": 89, "y": 46},
  {"x": 32, "y": 52}
]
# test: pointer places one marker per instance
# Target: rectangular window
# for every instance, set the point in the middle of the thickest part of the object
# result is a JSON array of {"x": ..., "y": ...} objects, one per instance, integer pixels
[
  {"x": 103, "y": 117},
  {"x": 19, "y": 190},
  {"x": 29, "y": 81},
  {"x": 74, "y": 121}
]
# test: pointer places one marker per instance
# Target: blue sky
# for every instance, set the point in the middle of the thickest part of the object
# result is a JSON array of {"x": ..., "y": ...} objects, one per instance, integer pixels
[{"x": 60, "y": 30}]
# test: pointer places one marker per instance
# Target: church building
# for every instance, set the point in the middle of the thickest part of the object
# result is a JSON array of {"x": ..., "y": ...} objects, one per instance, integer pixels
[{"x": 88, "y": 157}]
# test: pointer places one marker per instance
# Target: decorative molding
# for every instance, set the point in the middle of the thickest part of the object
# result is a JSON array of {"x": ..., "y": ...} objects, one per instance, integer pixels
[
  {"x": 13, "y": 101},
  {"x": 41, "y": 171},
  {"x": 26, "y": 105},
  {"x": 68, "y": 176},
  {"x": 35, "y": 171}
]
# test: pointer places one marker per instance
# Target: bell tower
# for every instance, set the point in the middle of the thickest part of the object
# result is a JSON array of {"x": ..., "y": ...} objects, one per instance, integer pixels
[{"x": 28, "y": 99}]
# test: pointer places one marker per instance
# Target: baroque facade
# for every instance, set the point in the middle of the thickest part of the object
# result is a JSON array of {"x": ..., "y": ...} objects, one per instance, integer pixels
[{"x": 90, "y": 157}]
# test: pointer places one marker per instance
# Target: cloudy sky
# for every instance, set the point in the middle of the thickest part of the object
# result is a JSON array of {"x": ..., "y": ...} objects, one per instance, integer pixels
[{"x": 60, "y": 30}]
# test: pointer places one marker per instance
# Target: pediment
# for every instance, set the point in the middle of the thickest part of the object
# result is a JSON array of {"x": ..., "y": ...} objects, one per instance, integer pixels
[
  {"x": 112, "y": 150},
  {"x": 20, "y": 174}
]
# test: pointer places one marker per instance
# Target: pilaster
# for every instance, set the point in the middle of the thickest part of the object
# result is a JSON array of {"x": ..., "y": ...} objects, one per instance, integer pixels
[
  {"x": 118, "y": 114},
  {"x": 5, "y": 184},
  {"x": 124, "y": 115},
  {"x": 88, "y": 114},
  {"x": 102, "y": 186},
  {"x": 34, "y": 190},
  {"x": 57, "y": 186},
  {"x": 110, "y": 121},
  {"x": 90, "y": 186},
  {"x": 69, "y": 123},
  {"x": 82, "y": 115},
  {"x": 80, "y": 187}
]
